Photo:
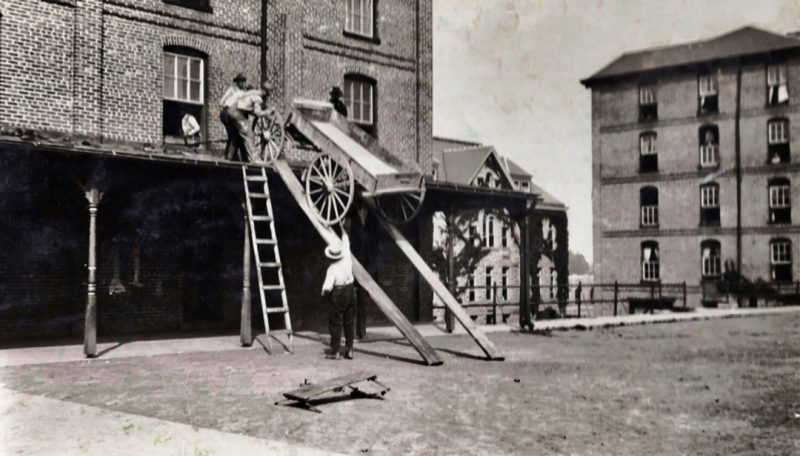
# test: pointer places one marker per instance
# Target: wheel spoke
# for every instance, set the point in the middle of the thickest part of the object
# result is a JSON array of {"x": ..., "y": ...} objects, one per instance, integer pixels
[
  {"x": 342, "y": 192},
  {"x": 316, "y": 181},
  {"x": 328, "y": 212},
  {"x": 333, "y": 203},
  {"x": 337, "y": 198},
  {"x": 316, "y": 201}
]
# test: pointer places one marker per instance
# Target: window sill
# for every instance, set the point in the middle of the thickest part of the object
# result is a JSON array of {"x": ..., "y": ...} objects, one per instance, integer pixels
[
  {"x": 360, "y": 37},
  {"x": 777, "y": 105},
  {"x": 709, "y": 225},
  {"x": 707, "y": 113},
  {"x": 191, "y": 5},
  {"x": 649, "y": 227}
]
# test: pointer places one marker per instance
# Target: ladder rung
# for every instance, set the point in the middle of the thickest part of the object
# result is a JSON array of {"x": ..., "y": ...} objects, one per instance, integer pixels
[
  {"x": 259, "y": 195},
  {"x": 269, "y": 264},
  {"x": 266, "y": 241},
  {"x": 273, "y": 287},
  {"x": 274, "y": 310},
  {"x": 256, "y": 178},
  {"x": 261, "y": 218}
]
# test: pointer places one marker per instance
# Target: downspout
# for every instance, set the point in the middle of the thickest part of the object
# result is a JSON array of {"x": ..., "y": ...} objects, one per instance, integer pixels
[
  {"x": 419, "y": 83},
  {"x": 737, "y": 142},
  {"x": 264, "y": 47}
]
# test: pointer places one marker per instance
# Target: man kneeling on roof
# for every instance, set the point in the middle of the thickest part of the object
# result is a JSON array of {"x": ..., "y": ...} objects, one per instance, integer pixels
[{"x": 239, "y": 126}]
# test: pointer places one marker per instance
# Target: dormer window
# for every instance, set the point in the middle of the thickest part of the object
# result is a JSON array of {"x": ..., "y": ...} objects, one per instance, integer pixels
[
  {"x": 648, "y": 105},
  {"x": 777, "y": 84},
  {"x": 707, "y": 93}
]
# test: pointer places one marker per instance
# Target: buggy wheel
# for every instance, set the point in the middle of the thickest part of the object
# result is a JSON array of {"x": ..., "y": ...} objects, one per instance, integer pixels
[
  {"x": 400, "y": 208},
  {"x": 329, "y": 188},
  {"x": 270, "y": 137}
]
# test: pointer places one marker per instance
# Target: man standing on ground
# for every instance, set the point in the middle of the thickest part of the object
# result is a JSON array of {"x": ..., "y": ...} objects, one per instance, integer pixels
[{"x": 339, "y": 296}]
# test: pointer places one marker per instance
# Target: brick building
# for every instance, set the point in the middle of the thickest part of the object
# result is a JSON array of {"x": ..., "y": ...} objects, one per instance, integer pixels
[
  {"x": 91, "y": 93},
  {"x": 496, "y": 277},
  {"x": 694, "y": 162}
]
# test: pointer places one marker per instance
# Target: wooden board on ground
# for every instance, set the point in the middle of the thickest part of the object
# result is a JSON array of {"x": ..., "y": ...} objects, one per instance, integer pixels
[
  {"x": 306, "y": 394},
  {"x": 378, "y": 296},
  {"x": 438, "y": 287}
]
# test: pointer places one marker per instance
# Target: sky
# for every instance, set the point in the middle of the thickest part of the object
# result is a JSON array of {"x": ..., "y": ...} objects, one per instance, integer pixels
[{"x": 507, "y": 72}]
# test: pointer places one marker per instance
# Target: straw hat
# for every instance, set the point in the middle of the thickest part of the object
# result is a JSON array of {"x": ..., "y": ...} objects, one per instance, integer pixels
[{"x": 333, "y": 252}]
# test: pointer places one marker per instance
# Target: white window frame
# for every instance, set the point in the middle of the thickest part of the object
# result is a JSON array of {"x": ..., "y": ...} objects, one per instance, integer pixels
[
  {"x": 709, "y": 196},
  {"x": 780, "y": 252},
  {"x": 780, "y": 196},
  {"x": 358, "y": 115},
  {"x": 504, "y": 235},
  {"x": 712, "y": 261},
  {"x": 777, "y": 74},
  {"x": 709, "y": 154},
  {"x": 489, "y": 282},
  {"x": 187, "y": 78},
  {"x": 488, "y": 231},
  {"x": 647, "y": 95},
  {"x": 553, "y": 283},
  {"x": 778, "y": 131},
  {"x": 707, "y": 85},
  {"x": 649, "y": 215},
  {"x": 647, "y": 144},
  {"x": 651, "y": 269},
  {"x": 360, "y": 17}
]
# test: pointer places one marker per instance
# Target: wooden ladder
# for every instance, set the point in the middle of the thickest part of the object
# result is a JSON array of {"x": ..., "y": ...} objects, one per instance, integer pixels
[{"x": 262, "y": 235}]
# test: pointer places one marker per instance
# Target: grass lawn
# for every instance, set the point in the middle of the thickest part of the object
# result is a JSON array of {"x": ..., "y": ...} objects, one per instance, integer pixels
[{"x": 716, "y": 387}]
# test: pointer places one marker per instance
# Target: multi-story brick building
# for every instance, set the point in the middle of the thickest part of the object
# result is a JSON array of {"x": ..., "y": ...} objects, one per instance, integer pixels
[
  {"x": 495, "y": 279},
  {"x": 91, "y": 94},
  {"x": 694, "y": 162}
]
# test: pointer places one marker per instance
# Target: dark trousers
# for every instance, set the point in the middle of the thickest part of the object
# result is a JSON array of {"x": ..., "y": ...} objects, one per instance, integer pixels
[
  {"x": 240, "y": 145},
  {"x": 341, "y": 304}
]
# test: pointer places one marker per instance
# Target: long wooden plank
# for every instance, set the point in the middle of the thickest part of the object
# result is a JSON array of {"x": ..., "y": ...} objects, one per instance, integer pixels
[
  {"x": 380, "y": 298},
  {"x": 438, "y": 287},
  {"x": 310, "y": 391}
]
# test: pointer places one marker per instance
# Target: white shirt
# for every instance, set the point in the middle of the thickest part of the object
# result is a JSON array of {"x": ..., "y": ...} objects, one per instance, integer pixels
[
  {"x": 230, "y": 97},
  {"x": 189, "y": 125},
  {"x": 340, "y": 272},
  {"x": 248, "y": 101}
]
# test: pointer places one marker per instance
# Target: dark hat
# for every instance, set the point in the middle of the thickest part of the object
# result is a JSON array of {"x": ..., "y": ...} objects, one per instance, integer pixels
[
  {"x": 336, "y": 91},
  {"x": 240, "y": 78}
]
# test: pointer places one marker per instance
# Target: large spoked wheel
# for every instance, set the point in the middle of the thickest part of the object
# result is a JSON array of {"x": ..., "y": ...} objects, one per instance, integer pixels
[
  {"x": 329, "y": 188},
  {"x": 270, "y": 137},
  {"x": 400, "y": 208}
]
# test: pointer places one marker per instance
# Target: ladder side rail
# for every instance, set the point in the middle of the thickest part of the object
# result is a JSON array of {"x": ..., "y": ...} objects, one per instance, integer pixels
[{"x": 254, "y": 239}]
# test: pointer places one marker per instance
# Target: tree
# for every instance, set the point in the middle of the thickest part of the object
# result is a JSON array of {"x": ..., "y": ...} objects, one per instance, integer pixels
[{"x": 578, "y": 264}]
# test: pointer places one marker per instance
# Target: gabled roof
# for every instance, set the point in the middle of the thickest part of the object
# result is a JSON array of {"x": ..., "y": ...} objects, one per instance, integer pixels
[
  {"x": 461, "y": 165},
  {"x": 514, "y": 169},
  {"x": 744, "y": 41}
]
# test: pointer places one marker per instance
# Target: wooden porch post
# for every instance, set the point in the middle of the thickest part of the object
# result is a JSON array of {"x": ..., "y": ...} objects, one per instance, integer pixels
[
  {"x": 524, "y": 271},
  {"x": 449, "y": 318},
  {"x": 246, "y": 327},
  {"x": 90, "y": 322}
]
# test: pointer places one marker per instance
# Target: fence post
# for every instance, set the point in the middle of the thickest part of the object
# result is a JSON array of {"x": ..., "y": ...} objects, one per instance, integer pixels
[
  {"x": 616, "y": 293},
  {"x": 591, "y": 301},
  {"x": 578, "y": 298},
  {"x": 684, "y": 294}
]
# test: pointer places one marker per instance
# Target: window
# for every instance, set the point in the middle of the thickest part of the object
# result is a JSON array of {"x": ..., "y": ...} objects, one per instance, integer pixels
[
  {"x": 709, "y": 146},
  {"x": 553, "y": 283},
  {"x": 471, "y": 288},
  {"x": 709, "y": 204},
  {"x": 711, "y": 260},
  {"x": 648, "y": 155},
  {"x": 504, "y": 284},
  {"x": 780, "y": 260},
  {"x": 780, "y": 201},
  {"x": 473, "y": 235},
  {"x": 359, "y": 95},
  {"x": 184, "y": 73},
  {"x": 489, "y": 284},
  {"x": 359, "y": 17},
  {"x": 200, "y": 5},
  {"x": 525, "y": 186},
  {"x": 648, "y": 203},
  {"x": 777, "y": 84},
  {"x": 648, "y": 105},
  {"x": 488, "y": 231},
  {"x": 504, "y": 235},
  {"x": 650, "y": 264},
  {"x": 778, "y": 141},
  {"x": 707, "y": 93}
]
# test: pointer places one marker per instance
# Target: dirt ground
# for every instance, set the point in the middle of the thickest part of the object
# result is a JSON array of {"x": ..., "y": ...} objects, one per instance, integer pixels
[{"x": 715, "y": 387}]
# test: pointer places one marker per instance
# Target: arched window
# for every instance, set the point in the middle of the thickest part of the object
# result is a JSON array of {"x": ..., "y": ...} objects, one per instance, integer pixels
[
  {"x": 648, "y": 204},
  {"x": 488, "y": 231},
  {"x": 709, "y": 145},
  {"x": 780, "y": 200},
  {"x": 780, "y": 260},
  {"x": 650, "y": 261},
  {"x": 184, "y": 71},
  {"x": 709, "y": 204},
  {"x": 648, "y": 103},
  {"x": 778, "y": 150},
  {"x": 710, "y": 259},
  {"x": 648, "y": 154},
  {"x": 360, "y": 96}
]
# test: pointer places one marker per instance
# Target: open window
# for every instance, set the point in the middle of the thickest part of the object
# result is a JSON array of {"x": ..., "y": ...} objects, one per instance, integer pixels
[
  {"x": 184, "y": 92},
  {"x": 360, "y": 98},
  {"x": 650, "y": 261},
  {"x": 648, "y": 104},
  {"x": 709, "y": 204},
  {"x": 780, "y": 201},
  {"x": 648, "y": 204},
  {"x": 778, "y": 141},
  {"x": 648, "y": 154},
  {"x": 780, "y": 260},
  {"x": 707, "y": 92},
  {"x": 777, "y": 84},
  {"x": 709, "y": 146},
  {"x": 711, "y": 259}
]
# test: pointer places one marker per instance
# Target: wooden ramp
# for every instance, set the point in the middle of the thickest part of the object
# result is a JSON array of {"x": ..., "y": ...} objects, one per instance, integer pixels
[
  {"x": 309, "y": 393},
  {"x": 380, "y": 298},
  {"x": 438, "y": 287}
]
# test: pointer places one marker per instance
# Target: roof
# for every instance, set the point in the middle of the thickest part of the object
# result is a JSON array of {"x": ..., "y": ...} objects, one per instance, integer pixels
[
  {"x": 514, "y": 169},
  {"x": 744, "y": 41},
  {"x": 442, "y": 144}
]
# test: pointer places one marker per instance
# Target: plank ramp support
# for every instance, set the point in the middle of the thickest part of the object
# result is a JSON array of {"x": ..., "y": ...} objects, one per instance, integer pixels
[{"x": 369, "y": 284}]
